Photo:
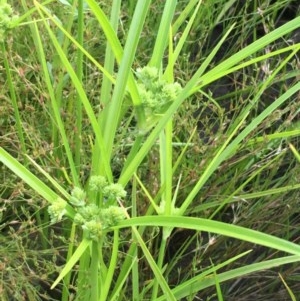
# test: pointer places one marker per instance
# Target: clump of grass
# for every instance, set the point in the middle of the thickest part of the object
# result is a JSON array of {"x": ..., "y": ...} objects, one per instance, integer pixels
[{"x": 154, "y": 126}]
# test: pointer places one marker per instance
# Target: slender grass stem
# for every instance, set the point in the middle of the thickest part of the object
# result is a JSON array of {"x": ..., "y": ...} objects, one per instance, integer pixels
[
  {"x": 79, "y": 72},
  {"x": 94, "y": 272},
  {"x": 13, "y": 97},
  {"x": 111, "y": 269}
]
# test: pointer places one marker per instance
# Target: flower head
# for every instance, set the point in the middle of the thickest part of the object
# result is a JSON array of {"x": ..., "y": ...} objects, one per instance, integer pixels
[
  {"x": 97, "y": 183},
  {"x": 114, "y": 191},
  {"x": 89, "y": 212},
  {"x": 112, "y": 215},
  {"x": 57, "y": 210},
  {"x": 77, "y": 197},
  {"x": 94, "y": 229},
  {"x": 6, "y": 18},
  {"x": 155, "y": 92}
]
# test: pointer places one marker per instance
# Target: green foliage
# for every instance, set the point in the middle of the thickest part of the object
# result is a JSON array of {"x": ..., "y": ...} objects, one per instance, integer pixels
[{"x": 160, "y": 116}]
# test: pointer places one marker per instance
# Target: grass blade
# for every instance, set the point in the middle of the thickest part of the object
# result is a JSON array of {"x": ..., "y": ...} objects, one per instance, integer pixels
[{"x": 221, "y": 228}]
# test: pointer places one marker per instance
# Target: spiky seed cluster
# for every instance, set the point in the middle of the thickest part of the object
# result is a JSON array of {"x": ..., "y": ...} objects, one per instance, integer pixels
[
  {"x": 87, "y": 213},
  {"x": 6, "y": 19},
  {"x": 93, "y": 228},
  {"x": 57, "y": 210},
  {"x": 77, "y": 197},
  {"x": 90, "y": 217},
  {"x": 98, "y": 183},
  {"x": 156, "y": 93},
  {"x": 114, "y": 191},
  {"x": 112, "y": 215},
  {"x": 93, "y": 220}
]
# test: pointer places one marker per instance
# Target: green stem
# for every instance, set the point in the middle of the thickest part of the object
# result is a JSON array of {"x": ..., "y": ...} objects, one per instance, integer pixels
[
  {"x": 113, "y": 113},
  {"x": 161, "y": 256},
  {"x": 135, "y": 267},
  {"x": 67, "y": 279},
  {"x": 14, "y": 101},
  {"x": 112, "y": 268},
  {"x": 83, "y": 275},
  {"x": 94, "y": 272},
  {"x": 106, "y": 86},
  {"x": 166, "y": 181},
  {"x": 78, "y": 130}
]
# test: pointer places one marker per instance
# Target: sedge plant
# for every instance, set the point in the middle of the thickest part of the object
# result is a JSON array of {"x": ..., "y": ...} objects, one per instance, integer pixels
[{"x": 110, "y": 215}]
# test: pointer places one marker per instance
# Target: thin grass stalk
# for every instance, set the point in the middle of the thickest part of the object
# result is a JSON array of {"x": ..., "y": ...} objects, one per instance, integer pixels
[
  {"x": 223, "y": 154},
  {"x": 54, "y": 130},
  {"x": 67, "y": 279},
  {"x": 163, "y": 34},
  {"x": 217, "y": 283},
  {"x": 235, "y": 193},
  {"x": 135, "y": 267},
  {"x": 201, "y": 224},
  {"x": 132, "y": 166},
  {"x": 65, "y": 43},
  {"x": 79, "y": 72},
  {"x": 55, "y": 96},
  {"x": 111, "y": 269},
  {"x": 183, "y": 16},
  {"x": 168, "y": 162},
  {"x": 173, "y": 55},
  {"x": 14, "y": 102},
  {"x": 60, "y": 82},
  {"x": 84, "y": 99},
  {"x": 55, "y": 106},
  {"x": 165, "y": 146},
  {"x": 33, "y": 181},
  {"x": 106, "y": 86},
  {"x": 82, "y": 281},
  {"x": 160, "y": 260},
  {"x": 290, "y": 292},
  {"x": 268, "y": 192},
  {"x": 200, "y": 283},
  {"x": 114, "y": 111},
  {"x": 219, "y": 70},
  {"x": 156, "y": 270},
  {"x": 102, "y": 271},
  {"x": 94, "y": 273}
]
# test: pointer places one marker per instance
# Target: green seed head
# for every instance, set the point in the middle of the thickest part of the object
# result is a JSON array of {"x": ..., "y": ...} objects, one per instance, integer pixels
[
  {"x": 77, "y": 197},
  {"x": 57, "y": 210},
  {"x": 94, "y": 229},
  {"x": 97, "y": 183},
  {"x": 114, "y": 191}
]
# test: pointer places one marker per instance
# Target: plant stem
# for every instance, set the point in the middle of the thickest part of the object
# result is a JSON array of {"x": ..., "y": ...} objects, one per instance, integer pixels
[{"x": 78, "y": 129}]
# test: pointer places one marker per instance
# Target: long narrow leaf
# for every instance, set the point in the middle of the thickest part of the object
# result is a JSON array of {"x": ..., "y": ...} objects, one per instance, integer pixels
[
  {"x": 87, "y": 105},
  {"x": 199, "y": 283},
  {"x": 221, "y": 228},
  {"x": 113, "y": 113},
  {"x": 29, "y": 178},
  {"x": 75, "y": 257}
]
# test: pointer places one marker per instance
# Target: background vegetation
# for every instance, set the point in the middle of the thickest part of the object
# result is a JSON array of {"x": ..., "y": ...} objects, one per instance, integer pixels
[{"x": 221, "y": 147}]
